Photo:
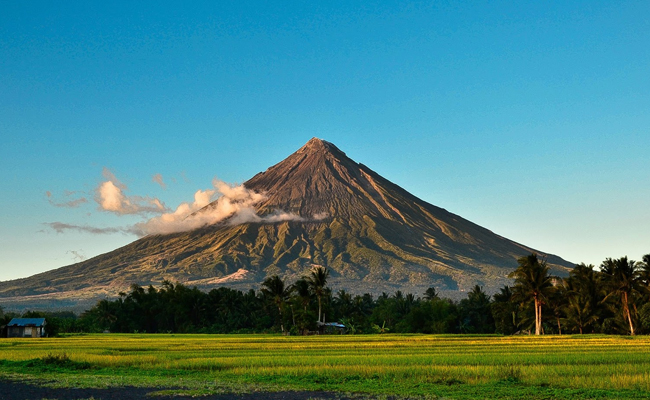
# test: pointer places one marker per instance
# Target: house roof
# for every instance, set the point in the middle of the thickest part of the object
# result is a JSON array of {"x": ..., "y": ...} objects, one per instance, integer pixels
[
  {"x": 27, "y": 322},
  {"x": 334, "y": 324}
]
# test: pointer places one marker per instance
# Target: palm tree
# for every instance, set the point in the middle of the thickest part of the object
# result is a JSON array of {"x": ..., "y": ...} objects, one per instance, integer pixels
[
  {"x": 105, "y": 313},
  {"x": 475, "y": 313},
  {"x": 505, "y": 311},
  {"x": 646, "y": 259},
  {"x": 556, "y": 300},
  {"x": 301, "y": 289},
  {"x": 644, "y": 274},
  {"x": 532, "y": 281},
  {"x": 317, "y": 280},
  {"x": 579, "y": 314},
  {"x": 343, "y": 304},
  {"x": 274, "y": 289},
  {"x": 430, "y": 294},
  {"x": 583, "y": 306},
  {"x": 623, "y": 279}
]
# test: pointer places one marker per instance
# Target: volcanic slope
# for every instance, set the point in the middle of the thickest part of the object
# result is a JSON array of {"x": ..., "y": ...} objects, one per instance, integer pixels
[{"x": 373, "y": 235}]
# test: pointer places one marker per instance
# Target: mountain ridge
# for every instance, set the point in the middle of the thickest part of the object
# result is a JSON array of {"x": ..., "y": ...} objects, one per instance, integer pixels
[{"x": 371, "y": 233}]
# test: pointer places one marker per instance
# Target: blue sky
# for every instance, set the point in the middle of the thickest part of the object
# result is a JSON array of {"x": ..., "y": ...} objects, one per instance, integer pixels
[{"x": 531, "y": 120}]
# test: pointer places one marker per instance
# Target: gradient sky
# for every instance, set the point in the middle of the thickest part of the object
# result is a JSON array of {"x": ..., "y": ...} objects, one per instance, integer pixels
[{"x": 532, "y": 120}]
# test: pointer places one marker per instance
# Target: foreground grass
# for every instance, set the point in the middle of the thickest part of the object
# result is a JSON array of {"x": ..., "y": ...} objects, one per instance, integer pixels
[{"x": 439, "y": 366}]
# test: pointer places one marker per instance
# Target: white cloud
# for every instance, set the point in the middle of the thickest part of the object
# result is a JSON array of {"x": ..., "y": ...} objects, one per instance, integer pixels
[
  {"x": 77, "y": 255},
  {"x": 74, "y": 203},
  {"x": 235, "y": 206},
  {"x": 157, "y": 178},
  {"x": 222, "y": 204},
  {"x": 110, "y": 197},
  {"x": 320, "y": 216},
  {"x": 61, "y": 227}
]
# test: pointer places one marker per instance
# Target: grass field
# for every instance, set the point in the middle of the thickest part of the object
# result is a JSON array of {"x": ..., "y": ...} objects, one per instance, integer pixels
[{"x": 432, "y": 366}]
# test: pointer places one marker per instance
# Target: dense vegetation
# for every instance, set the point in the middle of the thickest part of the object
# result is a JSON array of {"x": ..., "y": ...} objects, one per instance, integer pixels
[{"x": 613, "y": 299}]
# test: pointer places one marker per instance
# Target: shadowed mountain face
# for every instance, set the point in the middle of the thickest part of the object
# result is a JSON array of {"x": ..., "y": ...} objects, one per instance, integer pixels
[{"x": 372, "y": 234}]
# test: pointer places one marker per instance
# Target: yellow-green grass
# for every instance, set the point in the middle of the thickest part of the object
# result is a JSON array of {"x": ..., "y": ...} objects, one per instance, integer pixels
[{"x": 451, "y": 366}]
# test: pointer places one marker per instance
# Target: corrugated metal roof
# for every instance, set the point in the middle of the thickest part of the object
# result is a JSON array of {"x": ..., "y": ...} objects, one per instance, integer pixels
[
  {"x": 27, "y": 322},
  {"x": 334, "y": 324}
]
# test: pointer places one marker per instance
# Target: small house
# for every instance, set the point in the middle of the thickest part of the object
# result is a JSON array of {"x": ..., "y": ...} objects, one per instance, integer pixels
[
  {"x": 331, "y": 328},
  {"x": 26, "y": 327}
]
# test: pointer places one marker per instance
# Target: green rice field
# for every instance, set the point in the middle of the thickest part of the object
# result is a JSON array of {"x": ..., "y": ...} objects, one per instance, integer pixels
[{"x": 428, "y": 366}]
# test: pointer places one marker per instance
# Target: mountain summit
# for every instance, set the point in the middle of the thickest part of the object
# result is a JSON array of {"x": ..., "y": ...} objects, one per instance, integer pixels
[
  {"x": 319, "y": 179},
  {"x": 373, "y": 235}
]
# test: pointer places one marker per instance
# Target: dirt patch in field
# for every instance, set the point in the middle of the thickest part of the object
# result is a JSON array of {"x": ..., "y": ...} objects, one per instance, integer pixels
[{"x": 10, "y": 390}]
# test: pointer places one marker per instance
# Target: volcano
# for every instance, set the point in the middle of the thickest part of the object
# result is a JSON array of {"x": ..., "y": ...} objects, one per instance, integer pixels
[{"x": 373, "y": 235}]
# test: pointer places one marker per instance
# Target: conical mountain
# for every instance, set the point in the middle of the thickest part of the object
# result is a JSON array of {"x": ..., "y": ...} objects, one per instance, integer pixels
[{"x": 373, "y": 235}]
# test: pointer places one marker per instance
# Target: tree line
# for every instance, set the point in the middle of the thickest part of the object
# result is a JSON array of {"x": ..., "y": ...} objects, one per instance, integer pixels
[
  {"x": 614, "y": 298},
  {"x": 611, "y": 299}
]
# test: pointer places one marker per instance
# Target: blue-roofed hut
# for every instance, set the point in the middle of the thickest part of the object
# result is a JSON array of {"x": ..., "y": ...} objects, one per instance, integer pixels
[{"x": 26, "y": 327}]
